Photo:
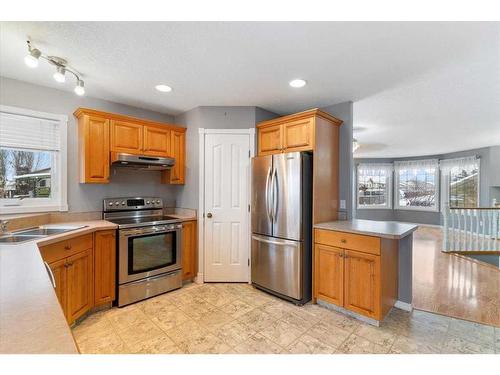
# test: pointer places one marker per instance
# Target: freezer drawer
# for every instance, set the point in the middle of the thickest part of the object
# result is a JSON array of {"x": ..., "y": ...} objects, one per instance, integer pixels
[{"x": 277, "y": 265}]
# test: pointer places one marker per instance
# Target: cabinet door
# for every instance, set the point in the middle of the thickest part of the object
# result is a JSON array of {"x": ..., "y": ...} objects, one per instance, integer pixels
[
  {"x": 298, "y": 135},
  {"x": 362, "y": 283},
  {"x": 126, "y": 137},
  {"x": 156, "y": 141},
  {"x": 94, "y": 149},
  {"x": 59, "y": 271},
  {"x": 80, "y": 284},
  {"x": 104, "y": 266},
  {"x": 176, "y": 175},
  {"x": 189, "y": 250},
  {"x": 270, "y": 139},
  {"x": 329, "y": 274}
]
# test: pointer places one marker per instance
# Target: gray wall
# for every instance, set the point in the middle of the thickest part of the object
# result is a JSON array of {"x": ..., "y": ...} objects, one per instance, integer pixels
[
  {"x": 210, "y": 118},
  {"x": 433, "y": 218},
  {"x": 344, "y": 112},
  {"x": 87, "y": 197}
]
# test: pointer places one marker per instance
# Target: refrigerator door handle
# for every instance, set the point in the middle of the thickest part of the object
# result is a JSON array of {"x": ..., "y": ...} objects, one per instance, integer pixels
[
  {"x": 275, "y": 241},
  {"x": 274, "y": 183},
  {"x": 267, "y": 195}
]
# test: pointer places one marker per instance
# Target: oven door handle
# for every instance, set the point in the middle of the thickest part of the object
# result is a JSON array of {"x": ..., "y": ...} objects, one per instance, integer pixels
[{"x": 133, "y": 233}]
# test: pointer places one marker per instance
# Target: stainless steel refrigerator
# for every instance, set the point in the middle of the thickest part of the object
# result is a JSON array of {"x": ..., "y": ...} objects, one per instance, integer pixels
[{"x": 281, "y": 225}]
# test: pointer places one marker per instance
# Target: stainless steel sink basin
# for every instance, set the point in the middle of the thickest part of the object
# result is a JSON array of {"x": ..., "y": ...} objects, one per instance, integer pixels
[
  {"x": 17, "y": 238},
  {"x": 37, "y": 233}
]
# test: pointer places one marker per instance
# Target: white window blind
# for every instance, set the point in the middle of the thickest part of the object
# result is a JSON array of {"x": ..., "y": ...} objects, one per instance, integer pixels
[{"x": 25, "y": 132}]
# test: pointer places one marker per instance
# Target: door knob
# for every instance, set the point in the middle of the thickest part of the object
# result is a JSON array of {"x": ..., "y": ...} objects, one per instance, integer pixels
[{"x": 209, "y": 215}]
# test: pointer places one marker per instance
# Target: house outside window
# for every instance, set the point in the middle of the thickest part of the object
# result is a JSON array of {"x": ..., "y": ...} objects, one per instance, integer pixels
[
  {"x": 374, "y": 186},
  {"x": 33, "y": 166},
  {"x": 417, "y": 185},
  {"x": 460, "y": 182}
]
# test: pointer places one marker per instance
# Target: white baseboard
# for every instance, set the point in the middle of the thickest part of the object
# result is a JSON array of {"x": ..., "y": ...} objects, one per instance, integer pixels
[{"x": 404, "y": 306}]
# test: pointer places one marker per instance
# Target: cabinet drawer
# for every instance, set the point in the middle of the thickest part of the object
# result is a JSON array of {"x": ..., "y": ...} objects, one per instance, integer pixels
[
  {"x": 66, "y": 248},
  {"x": 359, "y": 242}
]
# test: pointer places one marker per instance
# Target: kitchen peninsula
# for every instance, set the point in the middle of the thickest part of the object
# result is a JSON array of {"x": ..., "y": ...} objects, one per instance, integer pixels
[{"x": 363, "y": 267}]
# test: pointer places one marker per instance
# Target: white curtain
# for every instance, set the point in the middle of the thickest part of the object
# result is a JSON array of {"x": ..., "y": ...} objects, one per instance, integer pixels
[
  {"x": 416, "y": 164},
  {"x": 370, "y": 169},
  {"x": 468, "y": 163},
  {"x": 447, "y": 166}
]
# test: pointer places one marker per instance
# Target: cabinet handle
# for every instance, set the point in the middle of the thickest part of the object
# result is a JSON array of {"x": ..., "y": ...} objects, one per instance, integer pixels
[
  {"x": 67, "y": 247},
  {"x": 67, "y": 265},
  {"x": 343, "y": 240},
  {"x": 51, "y": 275}
]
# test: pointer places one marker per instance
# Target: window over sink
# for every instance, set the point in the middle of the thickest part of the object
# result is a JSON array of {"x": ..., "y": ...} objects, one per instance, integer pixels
[{"x": 33, "y": 166}]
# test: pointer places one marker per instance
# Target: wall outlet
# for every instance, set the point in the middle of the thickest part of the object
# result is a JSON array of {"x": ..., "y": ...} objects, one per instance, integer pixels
[{"x": 342, "y": 204}]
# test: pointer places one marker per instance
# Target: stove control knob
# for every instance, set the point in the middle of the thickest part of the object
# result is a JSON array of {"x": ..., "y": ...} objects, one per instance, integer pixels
[
  {"x": 147, "y": 202},
  {"x": 123, "y": 203},
  {"x": 110, "y": 203},
  {"x": 117, "y": 203},
  {"x": 158, "y": 202}
]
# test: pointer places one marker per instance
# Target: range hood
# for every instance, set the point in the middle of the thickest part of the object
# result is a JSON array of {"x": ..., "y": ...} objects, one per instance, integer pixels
[{"x": 151, "y": 163}]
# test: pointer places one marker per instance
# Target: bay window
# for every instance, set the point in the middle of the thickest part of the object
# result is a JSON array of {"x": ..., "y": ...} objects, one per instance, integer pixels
[
  {"x": 374, "y": 185},
  {"x": 417, "y": 185},
  {"x": 460, "y": 182},
  {"x": 32, "y": 161}
]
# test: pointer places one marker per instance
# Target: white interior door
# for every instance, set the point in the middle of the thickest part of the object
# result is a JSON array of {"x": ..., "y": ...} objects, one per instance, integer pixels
[{"x": 226, "y": 223}]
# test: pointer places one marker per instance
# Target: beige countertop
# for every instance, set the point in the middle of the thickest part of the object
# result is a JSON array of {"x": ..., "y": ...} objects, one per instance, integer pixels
[
  {"x": 385, "y": 229},
  {"x": 31, "y": 319}
]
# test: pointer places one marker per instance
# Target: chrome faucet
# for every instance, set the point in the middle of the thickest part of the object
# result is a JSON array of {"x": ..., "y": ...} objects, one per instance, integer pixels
[{"x": 3, "y": 226}]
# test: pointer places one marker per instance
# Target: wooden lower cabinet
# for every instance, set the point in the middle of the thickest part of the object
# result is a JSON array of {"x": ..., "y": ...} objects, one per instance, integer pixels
[
  {"x": 359, "y": 281},
  {"x": 59, "y": 271},
  {"x": 362, "y": 283},
  {"x": 104, "y": 267},
  {"x": 329, "y": 266},
  {"x": 84, "y": 271},
  {"x": 189, "y": 250},
  {"x": 80, "y": 283}
]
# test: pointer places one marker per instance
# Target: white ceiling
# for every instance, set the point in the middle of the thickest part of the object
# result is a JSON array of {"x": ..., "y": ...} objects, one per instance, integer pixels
[{"x": 417, "y": 88}]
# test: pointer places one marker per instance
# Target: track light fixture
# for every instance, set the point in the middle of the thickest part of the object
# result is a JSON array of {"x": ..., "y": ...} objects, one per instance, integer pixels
[{"x": 33, "y": 57}]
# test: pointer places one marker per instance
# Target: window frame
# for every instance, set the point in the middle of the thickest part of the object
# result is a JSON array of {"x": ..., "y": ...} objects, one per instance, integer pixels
[
  {"x": 390, "y": 187},
  {"x": 60, "y": 201},
  {"x": 445, "y": 182},
  {"x": 437, "y": 178}
]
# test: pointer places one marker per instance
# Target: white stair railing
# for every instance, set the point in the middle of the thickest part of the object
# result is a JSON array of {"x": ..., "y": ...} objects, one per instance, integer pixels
[{"x": 471, "y": 229}]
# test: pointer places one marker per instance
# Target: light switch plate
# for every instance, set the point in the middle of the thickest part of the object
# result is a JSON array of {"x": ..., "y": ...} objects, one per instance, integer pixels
[{"x": 342, "y": 204}]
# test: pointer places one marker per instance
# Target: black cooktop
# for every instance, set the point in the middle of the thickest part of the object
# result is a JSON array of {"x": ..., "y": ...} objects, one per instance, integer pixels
[{"x": 143, "y": 220}]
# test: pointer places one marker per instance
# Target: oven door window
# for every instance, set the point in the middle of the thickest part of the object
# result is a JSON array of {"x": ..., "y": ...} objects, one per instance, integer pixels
[{"x": 151, "y": 252}]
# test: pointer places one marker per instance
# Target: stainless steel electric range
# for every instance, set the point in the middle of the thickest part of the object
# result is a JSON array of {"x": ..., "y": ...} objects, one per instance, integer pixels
[{"x": 149, "y": 247}]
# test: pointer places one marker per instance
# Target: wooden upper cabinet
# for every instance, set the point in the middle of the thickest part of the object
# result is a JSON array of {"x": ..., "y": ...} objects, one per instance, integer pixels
[
  {"x": 156, "y": 141},
  {"x": 362, "y": 283},
  {"x": 270, "y": 139},
  {"x": 80, "y": 284},
  {"x": 103, "y": 134},
  {"x": 126, "y": 137},
  {"x": 298, "y": 135},
  {"x": 104, "y": 266},
  {"x": 176, "y": 175},
  {"x": 292, "y": 133},
  {"x": 329, "y": 274},
  {"x": 93, "y": 141}
]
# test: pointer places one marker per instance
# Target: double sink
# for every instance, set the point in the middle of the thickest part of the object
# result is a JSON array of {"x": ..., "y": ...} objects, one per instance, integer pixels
[{"x": 37, "y": 233}]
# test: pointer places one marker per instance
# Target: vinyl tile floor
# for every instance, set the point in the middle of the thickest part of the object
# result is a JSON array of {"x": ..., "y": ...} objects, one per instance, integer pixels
[{"x": 238, "y": 319}]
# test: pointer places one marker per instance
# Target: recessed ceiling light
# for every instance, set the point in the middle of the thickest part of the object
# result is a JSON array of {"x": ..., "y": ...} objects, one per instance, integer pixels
[
  {"x": 297, "y": 83},
  {"x": 163, "y": 88}
]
